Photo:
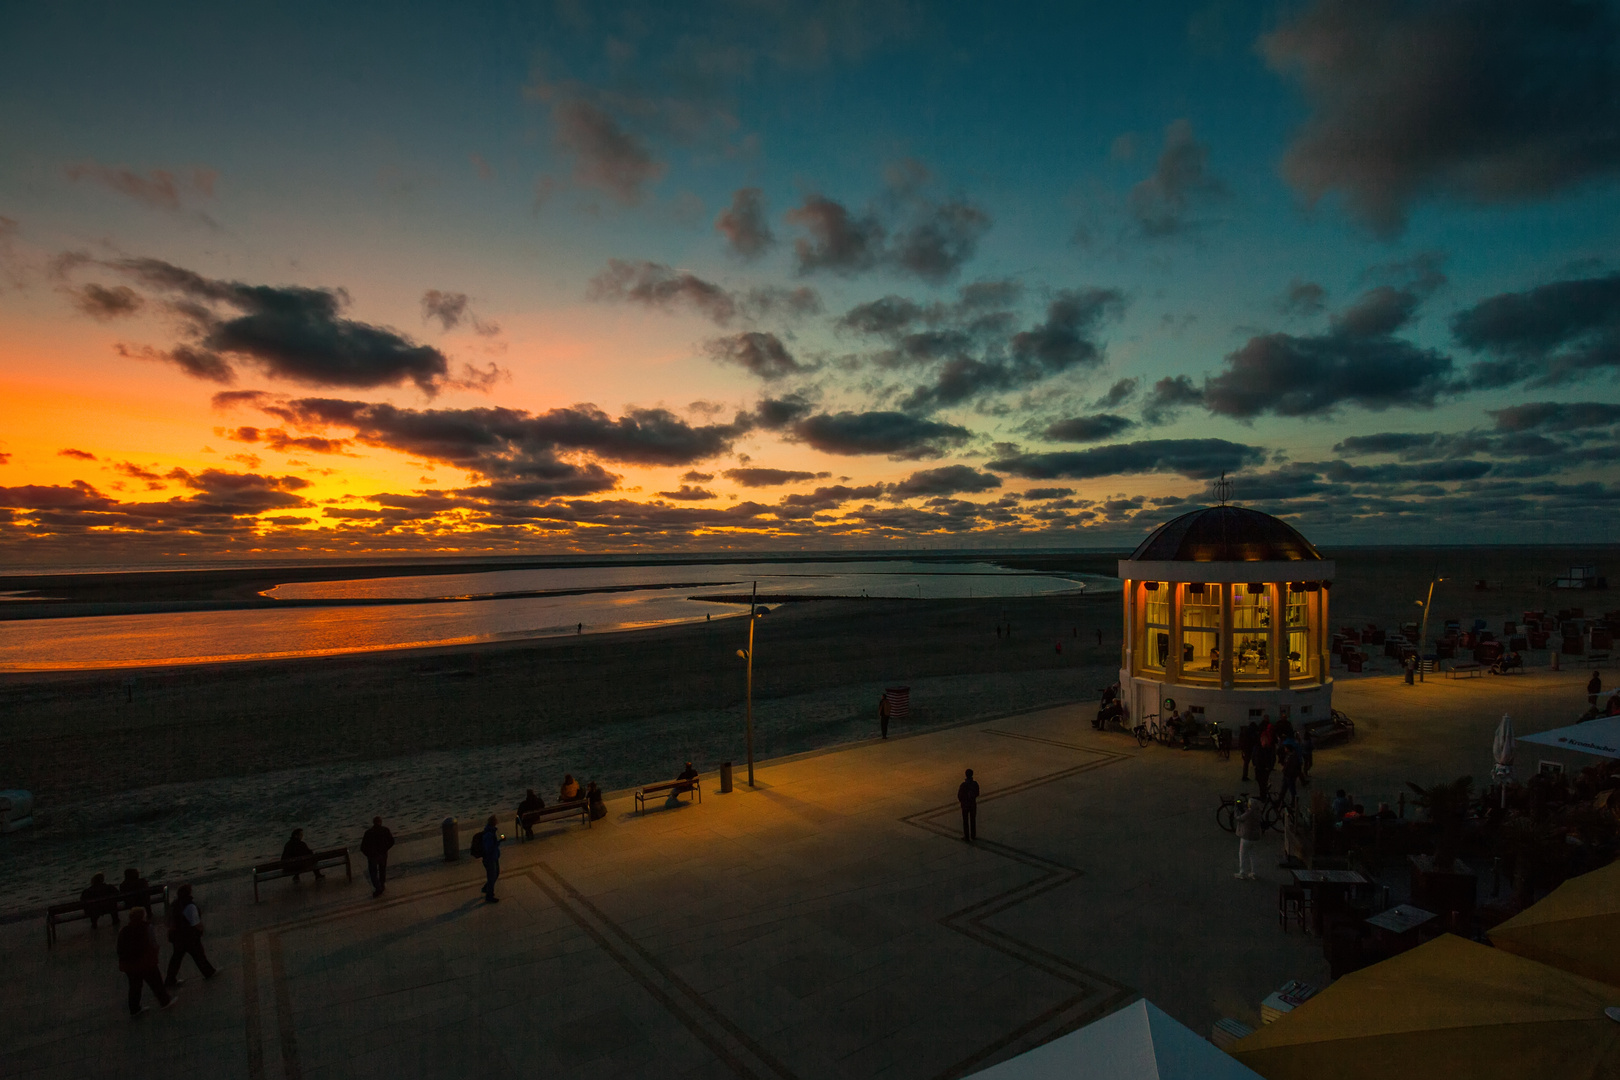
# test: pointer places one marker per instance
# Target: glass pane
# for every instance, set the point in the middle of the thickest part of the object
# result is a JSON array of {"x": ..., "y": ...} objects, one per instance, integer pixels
[
  {"x": 1199, "y": 651},
  {"x": 1157, "y": 608},
  {"x": 1298, "y": 652},
  {"x": 1251, "y": 610},
  {"x": 1251, "y": 653},
  {"x": 1157, "y": 649}
]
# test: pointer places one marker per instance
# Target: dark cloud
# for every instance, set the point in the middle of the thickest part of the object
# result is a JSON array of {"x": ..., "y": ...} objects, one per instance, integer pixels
[
  {"x": 835, "y": 240},
  {"x": 1550, "y": 334},
  {"x": 898, "y": 435},
  {"x": 159, "y": 188},
  {"x": 1162, "y": 202},
  {"x": 291, "y": 332},
  {"x": 1494, "y": 101},
  {"x": 761, "y": 477},
  {"x": 281, "y": 442},
  {"x": 1196, "y": 459},
  {"x": 939, "y": 240},
  {"x": 777, "y": 413},
  {"x": 744, "y": 225},
  {"x": 829, "y": 498},
  {"x": 695, "y": 477},
  {"x": 452, "y": 309},
  {"x": 1093, "y": 428},
  {"x": 757, "y": 352},
  {"x": 81, "y": 455},
  {"x": 1555, "y": 416},
  {"x": 1388, "y": 442},
  {"x": 687, "y": 493},
  {"x": 1042, "y": 494},
  {"x": 1118, "y": 394},
  {"x": 102, "y": 302},
  {"x": 1358, "y": 361},
  {"x": 1168, "y": 397},
  {"x": 1067, "y": 337},
  {"x": 948, "y": 480},
  {"x": 656, "y": 285},
  {"x": 1304, "y": 298},
  {"x": 606, "y": 156}
]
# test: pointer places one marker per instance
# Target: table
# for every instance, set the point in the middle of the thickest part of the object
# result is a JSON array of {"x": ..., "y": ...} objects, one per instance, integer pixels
[
  {"x": 1328, "y": 877},
  {"x": 1328, "y": 888},
  {"x": 1401, "y": 918}
]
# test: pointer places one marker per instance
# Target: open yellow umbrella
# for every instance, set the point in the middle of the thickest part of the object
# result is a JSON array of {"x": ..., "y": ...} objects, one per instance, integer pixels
[
  {"x": 1447, "y": 1008},
  {"x": 1575, "y": 927}
]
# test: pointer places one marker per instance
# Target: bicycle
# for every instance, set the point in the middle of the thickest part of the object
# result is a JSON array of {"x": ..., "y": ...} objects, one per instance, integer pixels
[
  {"x": 1145, "y": 733},
  {"x": 1270, "y": 813}
]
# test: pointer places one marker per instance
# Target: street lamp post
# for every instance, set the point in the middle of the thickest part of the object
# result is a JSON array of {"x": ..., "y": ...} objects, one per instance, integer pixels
[
  {"x": 753, "y": 606},
  {"x": 1423, "y": 633}
]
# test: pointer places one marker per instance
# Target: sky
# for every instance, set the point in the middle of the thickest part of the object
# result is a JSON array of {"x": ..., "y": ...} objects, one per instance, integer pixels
[{"x": 305, "y": 280}]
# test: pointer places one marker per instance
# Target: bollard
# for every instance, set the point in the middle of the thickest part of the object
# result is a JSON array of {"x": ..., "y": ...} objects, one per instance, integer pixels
[
  {"x": 725, "y": 777},
  {"x": 1554, "y": 661},
  {"x": 452, "y": 839}
]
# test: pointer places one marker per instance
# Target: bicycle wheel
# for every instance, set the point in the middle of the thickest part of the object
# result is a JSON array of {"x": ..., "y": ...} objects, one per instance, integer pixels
[
  {"x": 1142, "y": 736},
  {"x": 1271, "y": 815},
  {"x": 1226, "y": 816}
]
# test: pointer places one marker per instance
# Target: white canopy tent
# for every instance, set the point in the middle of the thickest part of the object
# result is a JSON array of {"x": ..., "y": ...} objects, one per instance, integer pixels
[
  {"x": 1139, "y": 1042},
  {"x": 1600, "y": 737}
]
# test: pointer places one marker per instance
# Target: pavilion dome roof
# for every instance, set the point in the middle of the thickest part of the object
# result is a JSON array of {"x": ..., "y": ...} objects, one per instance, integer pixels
[{"x": 1225, "y": 534}]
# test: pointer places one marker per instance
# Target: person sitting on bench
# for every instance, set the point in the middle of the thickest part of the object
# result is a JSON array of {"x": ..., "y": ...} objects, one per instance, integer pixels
[
  {"x": 678, "y": 790},
  {"x": 570, "y": 788},
  {"x": 297, "y": 857},
  {"x": 531, "y": 802},
  {"x": 593, "y": 802},
  {"x": 100, "y": 899},
  {"x": 134, "y": 883}
]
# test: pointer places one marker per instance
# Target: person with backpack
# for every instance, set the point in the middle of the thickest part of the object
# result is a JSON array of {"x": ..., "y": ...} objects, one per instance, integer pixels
[
  {"x": 374, "y": 846},
  {"x": 138, "y": 959},
  {"x": 185, "y": 936},
  {"x": 487, "y": 846}
]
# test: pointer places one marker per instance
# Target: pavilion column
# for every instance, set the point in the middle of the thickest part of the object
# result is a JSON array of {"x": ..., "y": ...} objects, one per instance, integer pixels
[
  {"x": 1319, "y": 645},
  {"x": 1128, "y": 640},
  {"x": 1279, "y": 633},
  {"x": 1172, "y": 663},
  {"x": 1225, "y": 635}
]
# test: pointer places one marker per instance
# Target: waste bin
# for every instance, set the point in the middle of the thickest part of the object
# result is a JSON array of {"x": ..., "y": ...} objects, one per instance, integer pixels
[
  {"x": 452, "y": 839},
  {"x": 725, "y": 777}
]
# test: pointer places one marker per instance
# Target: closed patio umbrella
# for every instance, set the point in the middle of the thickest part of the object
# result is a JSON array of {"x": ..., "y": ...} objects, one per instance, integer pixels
[
  {"x": 1450, "y": 1007},
  {"x": 1575, "y": 927},
  {"x": 1502, "y": 747}
]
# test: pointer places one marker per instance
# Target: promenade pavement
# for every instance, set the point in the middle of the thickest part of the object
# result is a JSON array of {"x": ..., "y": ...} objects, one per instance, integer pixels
[{"x": 828, "y": 923}]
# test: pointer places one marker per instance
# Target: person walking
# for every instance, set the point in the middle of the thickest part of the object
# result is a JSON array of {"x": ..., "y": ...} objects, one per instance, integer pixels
[
  {"x": 883, "y": 714},
  {"x": 1307, "y": 755},
  {"x": 1248, "y": 832},
  {"x": 138, "y": 960},
  {"x": 1247, "y": 736},
  {"x": 968, "y": 795},
  {"x": 1291, "y": 767},
  {"x": 490, "y": 852},
  {"x": 1265, "y": 759},
  {"x": 185, "y": 935},
  {"x": 374, "y": 846},
  {"x": 1594, "y": 687}
]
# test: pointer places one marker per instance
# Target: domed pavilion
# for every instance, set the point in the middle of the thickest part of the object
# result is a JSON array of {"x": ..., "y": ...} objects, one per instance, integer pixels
[{"x": 1226, "y": 613}]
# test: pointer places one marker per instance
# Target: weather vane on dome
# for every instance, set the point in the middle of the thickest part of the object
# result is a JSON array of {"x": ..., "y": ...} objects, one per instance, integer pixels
[{"x": 1223, "y": 488}]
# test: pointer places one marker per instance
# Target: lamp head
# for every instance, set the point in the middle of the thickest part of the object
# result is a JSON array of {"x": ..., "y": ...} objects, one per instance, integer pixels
[{"x": 742, "y": 654}]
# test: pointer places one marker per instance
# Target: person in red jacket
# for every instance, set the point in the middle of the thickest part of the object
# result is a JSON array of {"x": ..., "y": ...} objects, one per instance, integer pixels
[{"x": 138, "y": 959}]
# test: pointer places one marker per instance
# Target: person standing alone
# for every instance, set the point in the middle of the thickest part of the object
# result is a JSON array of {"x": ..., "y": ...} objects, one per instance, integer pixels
[
  {"x": 1248, "y": 735},
  {"x": 1594, "y": 687},
  {"x": 138, "y": 959},
  {"x": 968, "y": 796},
  {"x": 374, "y": 846},
  {"x": 185, "y": 935},
  {"x": 1248, "y": 832},
  {"x": 490, "y": 852}
]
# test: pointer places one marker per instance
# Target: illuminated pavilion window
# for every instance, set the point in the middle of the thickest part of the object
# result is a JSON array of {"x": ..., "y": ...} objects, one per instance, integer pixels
[
  {"x": 1156, "y": 624},
  {"x": 1201, "y": 631},
  {"x": 1251, "y": 632},
  {"x": 1299, "y": 638}
]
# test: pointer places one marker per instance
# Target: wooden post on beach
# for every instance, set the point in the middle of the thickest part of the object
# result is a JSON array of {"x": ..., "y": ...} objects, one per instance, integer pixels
[{"x": 753, "y": 615}]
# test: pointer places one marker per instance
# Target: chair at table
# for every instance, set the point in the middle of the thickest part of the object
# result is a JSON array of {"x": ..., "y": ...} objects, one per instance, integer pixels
[{"x": 1292, "y": 904}]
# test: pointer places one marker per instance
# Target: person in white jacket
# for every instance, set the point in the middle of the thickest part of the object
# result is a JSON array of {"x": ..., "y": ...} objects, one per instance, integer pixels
[{"x": 1248, "y": 832}]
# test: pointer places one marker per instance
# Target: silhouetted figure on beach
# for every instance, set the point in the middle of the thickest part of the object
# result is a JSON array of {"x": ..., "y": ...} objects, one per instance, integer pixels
[
  {"x": 594, "y": 805},
  {"x": 138, "y": 960},
  {"x": 490, "y": 853},
  {"x": 185, "y": 936},
  {"x": 134, "y": 889},
  {"x": 883, "y": 715},
  {"x": 570, "y": 788},
  {"x": 297, "y": 856},
  {"x": 1099, "y": 639},
  {"x": 374, "y": 846},
  {"x": 531, "y": 802},
  {"x": 968, "y": 795},
  {"x": 580, "y": 629},
  {"x": 100, "y": 899},
  {"x": 1594, "y": 687}
]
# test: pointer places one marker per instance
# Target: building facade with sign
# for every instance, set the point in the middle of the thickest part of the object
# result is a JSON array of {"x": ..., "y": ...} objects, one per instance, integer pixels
[{"x": 1226, "y": 615}]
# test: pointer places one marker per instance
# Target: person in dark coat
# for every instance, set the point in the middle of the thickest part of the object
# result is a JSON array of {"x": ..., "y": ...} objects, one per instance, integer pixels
[
  {"x": 531, "y": 802},
  {"x": 883, "y": 715},
  {"x": 100, "y": 899},
  {"x": 138, "y": 960},
  {"x": 593, "y": 802},
  {"x": 298, "y": 857},
  {"x": 374, "y": 846},
  {"x": 491, "y": 845},
  {"x": 133, "y": 888},
  {"x": 968, "y": 795},
  {"x": 1265, "y": 759},
  {"x": 1594, "y": 687},
  {"x": 185, "y": 935},
  {"x": 1248, "y": 735}
]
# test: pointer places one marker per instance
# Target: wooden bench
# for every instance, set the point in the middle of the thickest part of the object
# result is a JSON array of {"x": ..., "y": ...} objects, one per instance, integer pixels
[
  {"x": 677, "y": 786},
  {"x": 528, "y": 820},
  {"x": 124, "y": 901},
  {"x": 1464, "y": 668},
  {"x": 1597, "y": 658},
  {"x": 321, "y": 860}
]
